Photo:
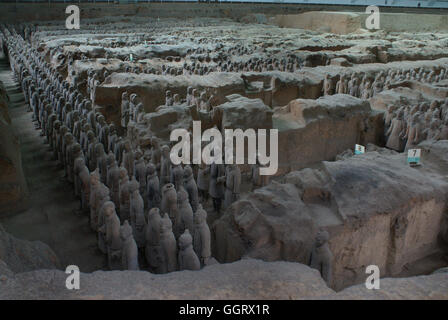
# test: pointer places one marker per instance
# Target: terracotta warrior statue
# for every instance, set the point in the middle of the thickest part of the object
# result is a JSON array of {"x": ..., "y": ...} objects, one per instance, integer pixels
[
  {"x": 113, "y": 182},
  {"x": 111, "y": 229},
  {"x": 102, "y": 195},
  {"x": 124, "y": 109},
  {"x": 216, "y": 186},
  {"x": 354, "y": 89},
  {"x": 165, "y": 167},
  {"x": 187, "y": 258},
  {"x": 389, "y": 116},
  {"x": 413, "y": 133},
  {"x": 101, "y": 226},
  {"x": 84, "y": 177},
  {"x": 101, "y": 161},
  {"x": 201, "y": 236},
  {"x": 55, "y": 138},
  {"x": 203, "y": 181},
  {"x": 396, "y": 133},
  {"x": 169, "y": 206},
  {"x": 341, "y": 85},
  {"x": 177, "y": 176},
  {"x": 91, "y": 155},
  {"x": 232, "y": 184},
  {"x": 132, "y": 105},
  {"x": 129, "y": 253},
  {"x": 124, "y": 195},
  {"x": 327, "y": 87},
  {"x": 78, "y": 163},
  {"x": 185, "y": 211},
  {"x": 321, "y": 256},
  {"x": 140, "y": 172},
  {"x": 156, "y": 153},
  {"x": 152, "y": 187},
  {"x": 128, "y": 159},
  {"x": 168, "y": 98},
  {"x": 168, "y": 244},
  {"x": 433, "y": 132},
  {"x": 94, "y": 189},
  {"x": 68, "y": 165},
  {"x": 137, "y": 213},
  {"x": 153, "y": 248},
  {"x": 191, "y": 188}
]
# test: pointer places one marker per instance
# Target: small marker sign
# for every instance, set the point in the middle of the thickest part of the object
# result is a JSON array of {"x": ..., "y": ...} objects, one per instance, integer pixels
[
  {"x": 131, "y": 58},
  {"x": 359, "y": 149},
  {"x": 414, "y": 156}
]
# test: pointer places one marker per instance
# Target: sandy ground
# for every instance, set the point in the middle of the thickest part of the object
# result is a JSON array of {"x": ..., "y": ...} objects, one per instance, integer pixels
[{"x": 52, "y": 215}]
